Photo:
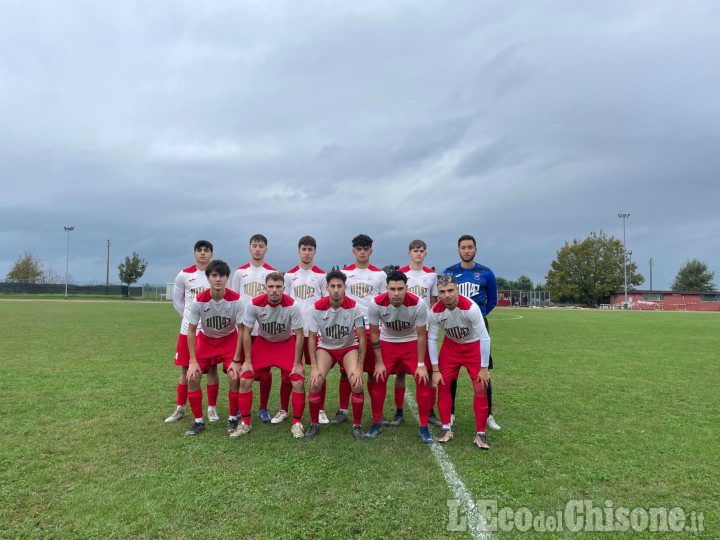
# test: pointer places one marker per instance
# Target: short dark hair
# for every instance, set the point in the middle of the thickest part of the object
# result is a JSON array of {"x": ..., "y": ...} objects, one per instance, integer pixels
[
  {"x": 219, "y": 267},
  {"x": 362, "y": 240},
  {"x": 335, "y": 274},
  {"x": 258, "y": 238},
  {"x": 467, "y": 237},
  {"x": 396, "y": 275},
  {"x": 274, "y": 276},
  {"x": 203, "y": 244},
  {"x": 417, "y": 244},
  {"x": 445, "y": 279},
  {"x": 307, "y": 241}
]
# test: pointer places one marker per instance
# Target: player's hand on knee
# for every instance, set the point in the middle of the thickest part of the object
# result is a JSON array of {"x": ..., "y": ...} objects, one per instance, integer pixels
[
  {"x": 484, "y": 377},
  {"x": 437, "y": 379},
  {"x": 380, "y": 373},
  {"x": 421, "y": 375},
  {"x": 246, "y": 367}
]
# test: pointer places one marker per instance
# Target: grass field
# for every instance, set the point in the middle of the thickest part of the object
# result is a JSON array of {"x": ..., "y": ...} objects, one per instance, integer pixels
[{"x": 596, "y": 405}]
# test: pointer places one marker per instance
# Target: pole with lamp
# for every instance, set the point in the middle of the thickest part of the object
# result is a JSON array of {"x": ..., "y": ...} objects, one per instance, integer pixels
[
  {"x": 624, "y": 217},
  {"x": 67, "y": 258}
]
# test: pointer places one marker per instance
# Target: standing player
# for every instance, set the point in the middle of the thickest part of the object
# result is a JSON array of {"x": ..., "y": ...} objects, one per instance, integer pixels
[
  {"x": 189, "y": 283},
  {"x": 249, "y": 281},
  {"x": 466, "y": 344},
  {"x": 219, "y": 312},
  {"x": 339, "y": 321},
  {"x": 398, "y": 345},
  {"x": 422, "y": 282},
  {"x": 279, "y": 344},
  {"x": 306, "y": 285},
  {"x": 476, "y": 282},
  {"x": 364, "y": 282}
]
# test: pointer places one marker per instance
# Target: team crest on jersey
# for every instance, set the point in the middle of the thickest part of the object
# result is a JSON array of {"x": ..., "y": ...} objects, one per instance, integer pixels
[
  {"x": 477, "y": 275},
  {"x": 361, "y": 289}
]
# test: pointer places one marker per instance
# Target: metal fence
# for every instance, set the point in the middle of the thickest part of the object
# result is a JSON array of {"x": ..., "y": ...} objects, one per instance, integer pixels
[
  {"x": 147, "y": 291},
  {"x": 524, "y": 298}
]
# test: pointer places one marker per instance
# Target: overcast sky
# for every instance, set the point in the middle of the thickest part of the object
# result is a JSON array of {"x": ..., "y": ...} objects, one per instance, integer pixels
[{"x": 526, "y": 124}]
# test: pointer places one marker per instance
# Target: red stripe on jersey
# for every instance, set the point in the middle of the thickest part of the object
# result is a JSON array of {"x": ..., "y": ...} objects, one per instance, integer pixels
[
  {"x": 409, "y": 300},
  {"x": 371, "y": 267},
  {"x": 464, "y": 303},
  {"x": 425, "y": 269},
  {"x": 206, "y": 295},
  {"x": 190, "y": 269},
  {"x": 266, "y": 266},
  {"x": 324, "y": 303},
  {"x": 314, "y": 269},
  {"x": 262, "y": 301}
]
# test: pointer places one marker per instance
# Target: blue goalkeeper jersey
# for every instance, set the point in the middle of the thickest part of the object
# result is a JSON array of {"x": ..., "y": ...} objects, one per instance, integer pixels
[{"x": 477, "y": 283}]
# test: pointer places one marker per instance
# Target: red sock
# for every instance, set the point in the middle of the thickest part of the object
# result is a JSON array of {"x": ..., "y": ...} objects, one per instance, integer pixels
[
  {"x": 213, "y": 390},
  {"x": 245, "y": 405},
  {"x": 195, "y": 399},
  {"x": 425, "y": 400},
  {"x": 298, "y": 403},
  {"x": 480, "y": 406},
  {"x": 377, "y": 400},
  {"x": 233, "y": 397},
  {"x": 323, "y": 390},
  {"x": 345, "y": 391},
  {"x": 315, "y": 404},
  {"x": 444, "y": 402},
  {"x": 265, "y": 386},
  {"x": 399, "y": 397},
  {"x": 285, "y": 391},
  {"x": 357, "y": 406},
  {"x": 182, "y": 394}
]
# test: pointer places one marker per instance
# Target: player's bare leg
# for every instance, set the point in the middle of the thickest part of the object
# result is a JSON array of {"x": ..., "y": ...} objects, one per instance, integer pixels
[{"x": 317, "y": 380}]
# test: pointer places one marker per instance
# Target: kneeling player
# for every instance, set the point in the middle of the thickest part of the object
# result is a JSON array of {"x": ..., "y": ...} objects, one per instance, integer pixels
[
  {"x": 219, "y": 312},
  {"x": 279, "y": 343},
  {"x": 398, "y": 344},
  {"x": 341, "y": 326},
  {"x": 466, "y": 344}
]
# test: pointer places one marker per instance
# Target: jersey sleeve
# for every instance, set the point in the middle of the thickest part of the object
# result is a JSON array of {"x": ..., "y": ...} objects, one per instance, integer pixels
[
  {"x": 421, "y": 319},
  {"x": 315, "y": 321},
  {"x": 250, "y": 316},
  {"x": 382, "y": 286},
  {"x": 192, "y": 313},
  {"x": 239, "y": 312},
  {"x": 288, "y": 284},
  {"x": 236, "y": 284},
  {"x": 433, "y": 286},
  {"x": 374, "y": 314},
  {"x": 359, "y": 319},
  {"x": 179, "y": 294},
  {"x": 322, "y": 285},
  {"x": 491, "y": 291},
  {"x": 296, "y": 317}
]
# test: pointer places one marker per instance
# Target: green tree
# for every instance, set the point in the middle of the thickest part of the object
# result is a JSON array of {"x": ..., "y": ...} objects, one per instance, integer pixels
[
  {"x": 27, "y": 269},
  {"x": 694, "y": 276},
  {"x": 502, "y": 284},
  {"x": 132, "y": 269},
  {"x": 590, "y": 270},
  {"x": 523, "y": 283}
]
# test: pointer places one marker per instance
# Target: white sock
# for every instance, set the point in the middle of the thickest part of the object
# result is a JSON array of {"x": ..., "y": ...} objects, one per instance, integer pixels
[
  {"x": 446, "y": 426},
  {"x": 344, "y": 411},
  {"x": 200, "y": 420},
  {"x": 232, "y": 417}
]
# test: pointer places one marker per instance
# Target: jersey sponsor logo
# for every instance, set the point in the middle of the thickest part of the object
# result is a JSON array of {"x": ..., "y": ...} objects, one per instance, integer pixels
[
  {"x": 263, "y": 314},
  {"x": 303, "y": 292},
  {"x": 197, "y": 290},
  {"x": 418, "y": 290},
  {"x": 361, "y": 289},
  {"x": 398, "y": 325},
  {"x": 253, "y": 289},
  {"x": 206, "y": 310},
  {"x": 469, "y": 289},
  {"x": 217, "y": 322},
  {"x": 273, "y": 328},
  {"x": 337, "y": 331},
  {"x": 326, "y": 318},
  {"x": 457, "y": 332},
  {"x": 458, "y": 275}
]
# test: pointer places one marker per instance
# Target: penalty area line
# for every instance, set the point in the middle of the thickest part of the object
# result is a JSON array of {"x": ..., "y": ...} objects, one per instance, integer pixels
[{"x": 477, "y": 525}]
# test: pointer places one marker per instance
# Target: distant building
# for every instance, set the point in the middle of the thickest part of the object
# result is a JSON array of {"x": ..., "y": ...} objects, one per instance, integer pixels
[{"x": 667, "y": 300}]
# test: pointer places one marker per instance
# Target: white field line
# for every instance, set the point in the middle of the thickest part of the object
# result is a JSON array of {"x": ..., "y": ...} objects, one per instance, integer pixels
[{"x": 477, "y": 525}]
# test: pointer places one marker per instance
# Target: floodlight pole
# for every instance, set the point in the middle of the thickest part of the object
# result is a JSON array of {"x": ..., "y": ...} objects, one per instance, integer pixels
[
  {"x": 624, "y": 217},
  {"x": 107, "y": 272},
  {"x": 67, "y": 258},
  {"x": 651, "y": 263}
]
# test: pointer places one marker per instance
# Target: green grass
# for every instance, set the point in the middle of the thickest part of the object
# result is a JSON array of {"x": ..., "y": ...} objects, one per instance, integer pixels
[{"x": 594, "y": 405}]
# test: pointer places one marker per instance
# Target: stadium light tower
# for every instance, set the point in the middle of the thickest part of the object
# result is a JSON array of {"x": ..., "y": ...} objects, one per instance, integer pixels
[
  {"x": 67, "y": 258},
  {"x": 624, "y": 217}
]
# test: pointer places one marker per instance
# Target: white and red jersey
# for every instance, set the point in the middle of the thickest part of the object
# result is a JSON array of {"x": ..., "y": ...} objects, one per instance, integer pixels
[
  {"x": 249, "y": 280},
  {"x": 216, "y": 319},
  {"x": 336, "y": 326},
  {"x": 399, "y": 324},
  {"x": 188, "y": 284},
  {"x": 305, "y": 287},
  {"x": 364, "y": 284},
  {"x": 422, "y": 283},
  {"x": 274, "y": 322},
  {"x": 464, "y": 324}
]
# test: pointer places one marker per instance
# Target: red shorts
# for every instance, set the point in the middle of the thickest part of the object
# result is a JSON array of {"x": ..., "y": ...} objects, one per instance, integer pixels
[
  {"x": 338, "y": 355},
  {"x": 212, "y": 351},
  {"x": 182, "y": 354},
  {"x": 454, "y": 355},
  {"x": 399, "y": 357},
  {"x": 369, "y": 362},
  {"x": 266, "y": 354}
]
